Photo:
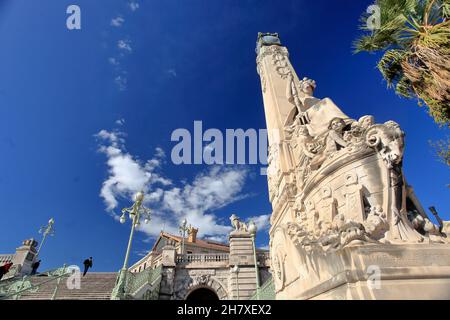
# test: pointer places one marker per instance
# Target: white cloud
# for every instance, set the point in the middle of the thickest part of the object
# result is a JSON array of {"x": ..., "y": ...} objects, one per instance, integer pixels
[
  {"x": 161, "y": 180},
  {"x": 120, "y": 122},
  {"x": 160, "y": 152},
  {"x": 115, "y": 139},
  {"x": 262, "y": 222},
  {"x": 154, "y": 196},
  {"x": 113, "y": 61},
  {"x": 121, "y": 82},
  {"x": 196, "y": 201},
  {"x": 133, "y": 5},
  {"x": 141, "y": 253},
  {"x": 209, "y": 191},
  {"x": 172, "y": 72},
  {"x": 221, "y": 238},
  {"x": 126, "y": 175},
  {"x": 124, "y": 45},
  {"x": 117, "y": 22}
]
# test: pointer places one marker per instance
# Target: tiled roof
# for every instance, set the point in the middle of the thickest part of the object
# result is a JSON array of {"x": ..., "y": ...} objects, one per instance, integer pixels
[{"x": 207, "y": 244}]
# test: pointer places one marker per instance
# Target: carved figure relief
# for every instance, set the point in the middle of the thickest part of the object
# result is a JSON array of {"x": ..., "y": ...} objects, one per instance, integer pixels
[
  {"x": 292, "y": 93},
  {"x": 354, "y": 205},
  {"x": 304, "y": 148},
  {"x": 307, "y": 86},
  {"x": 273, "y": 169},
  {"x": 280, "y": 63},
  {"x": 334, "y": 141},
  {"x": 283, "y": 269},
  {"x": 376, "y": 224},
  {"x": 357, "y": 130},
  {"x": 310, "y": 152},
  {"x": 201, "y": 279},
  {"x": 301, "y": 96},
  {"x": 388, "y": 140},
  {"x": 329, "y": 205},
  {"x": 263, "y": 78},
  {"x": 312, "y": 217}
]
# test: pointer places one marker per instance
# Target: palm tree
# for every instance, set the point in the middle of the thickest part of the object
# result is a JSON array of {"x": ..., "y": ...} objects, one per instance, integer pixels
[{"x": 414, "y": 37}]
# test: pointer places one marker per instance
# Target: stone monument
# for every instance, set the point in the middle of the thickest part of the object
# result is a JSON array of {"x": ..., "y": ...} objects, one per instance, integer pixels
[
  {"x": 243, "y": 284},
  {"x": 345, "y": 223}
]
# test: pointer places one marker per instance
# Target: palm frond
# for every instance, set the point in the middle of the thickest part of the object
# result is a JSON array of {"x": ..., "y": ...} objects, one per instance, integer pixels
[
  {"x": 415, "y": 38},
  {"x": 390, "y": 66},
  {"x": 445, "y": 9},
  {"x": 442, "y": 149},
  {"x": 404, "y": 88}
]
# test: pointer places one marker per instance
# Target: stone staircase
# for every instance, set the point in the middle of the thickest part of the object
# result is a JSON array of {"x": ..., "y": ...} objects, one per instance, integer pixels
[{"x": 94, "y": 286}]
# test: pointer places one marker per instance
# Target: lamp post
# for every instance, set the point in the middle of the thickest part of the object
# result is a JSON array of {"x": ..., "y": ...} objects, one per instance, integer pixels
[
  {"x": 47, "y": 230},
  {"x": 235, "y": 270},
  {"x": 436, "y": 215},
  {"x": 252, "y": 229},
  {"x": 134, "y": 213},
  {"x": 183, "y": 230}
]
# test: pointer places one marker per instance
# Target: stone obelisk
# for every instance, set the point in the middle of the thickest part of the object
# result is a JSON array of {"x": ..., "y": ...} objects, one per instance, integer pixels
[{"x": 345, "y": 224}]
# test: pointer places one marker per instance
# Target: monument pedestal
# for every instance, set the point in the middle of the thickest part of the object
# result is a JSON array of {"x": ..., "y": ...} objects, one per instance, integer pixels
[
  {"x": 384, "y": 272},
  {"x": 24, "y": 258},
  {"x": 243, "y": 283}
]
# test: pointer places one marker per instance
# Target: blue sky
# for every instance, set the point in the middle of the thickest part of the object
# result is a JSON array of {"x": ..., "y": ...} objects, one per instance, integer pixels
[{"x": 75, "y": 105}]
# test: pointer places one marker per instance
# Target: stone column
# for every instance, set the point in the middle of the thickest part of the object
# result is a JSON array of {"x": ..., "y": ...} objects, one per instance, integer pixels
[
  {"x": 446, "y": 228},
  {"x": 169, "y": 256},
  {"x": 24, "y": 257},
  {"x": 241, "y": 254}
]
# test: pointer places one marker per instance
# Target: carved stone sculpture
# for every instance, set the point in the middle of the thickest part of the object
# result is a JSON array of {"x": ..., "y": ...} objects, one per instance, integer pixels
[
  {"x": 337, "y": 189},
  {"x": 237, "y": 224}
]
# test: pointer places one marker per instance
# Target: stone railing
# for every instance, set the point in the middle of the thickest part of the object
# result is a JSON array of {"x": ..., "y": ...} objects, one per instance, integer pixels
[
  {"x": 202, "y": 258},
  {"x": 266, "y": 291},
  {"x": 14, "y": 288},
  {"x": 136, "y": 280},
  {"x": 4, "y": 258},
  {"x": 157, "y": 260}
]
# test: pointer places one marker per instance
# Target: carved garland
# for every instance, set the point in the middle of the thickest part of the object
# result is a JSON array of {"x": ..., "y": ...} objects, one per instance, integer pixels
[{"x": 279, "y": 55}]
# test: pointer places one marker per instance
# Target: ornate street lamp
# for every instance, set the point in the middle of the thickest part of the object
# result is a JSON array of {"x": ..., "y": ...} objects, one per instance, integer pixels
[
  {"x": 436, "y": 215},
  {"x": 252, "y": 229},
  {"x": 183, "y": 230},
  {"x": 47, "y": 230},
  {"x": 135, "y": 212},
  {"x": 235, "y": 270}
]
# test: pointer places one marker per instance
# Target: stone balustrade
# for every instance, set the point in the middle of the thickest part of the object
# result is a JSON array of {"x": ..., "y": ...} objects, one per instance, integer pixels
[
  {"x": 4, "y": 258},
  {"x": 157, "y": 260},
  {"x": 263, "y": 258},
  {"x": 202, "y": 258}
]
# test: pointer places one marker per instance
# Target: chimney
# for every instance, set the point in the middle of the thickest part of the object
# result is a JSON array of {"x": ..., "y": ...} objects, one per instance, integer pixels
[{"x": 192, "y": 234}]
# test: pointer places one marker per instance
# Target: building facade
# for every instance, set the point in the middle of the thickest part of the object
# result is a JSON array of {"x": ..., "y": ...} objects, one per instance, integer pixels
[
  {"x": 205, "y": 270},
  {"x": 22, "y": 259}
]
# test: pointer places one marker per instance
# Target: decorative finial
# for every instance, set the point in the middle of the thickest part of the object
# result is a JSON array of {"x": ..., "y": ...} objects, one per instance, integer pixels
[{"x": 267, "y": 39}]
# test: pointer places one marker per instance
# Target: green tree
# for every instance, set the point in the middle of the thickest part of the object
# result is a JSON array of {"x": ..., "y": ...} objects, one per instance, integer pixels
[
  {"x": 442, "y": 148},
  {"x": 414, "y": 37}
]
